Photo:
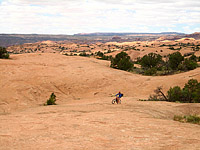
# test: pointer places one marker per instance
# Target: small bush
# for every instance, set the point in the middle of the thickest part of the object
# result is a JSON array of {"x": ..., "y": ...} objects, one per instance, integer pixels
[
  {"x": 191, "y": 91},
  {"x": 3, "y": 53},
  {"x": 174, "y": 94},
  {"x": 162, "y": 45},
  {"x": 102, "y": 56},
  {"x": 52, "y": 100},
  {"x": 189, "y": 64},
  {"x": 150, "y": 71},
  {"x": 105, "y": 57},
  {"x": 6, "y": 56},
  {"x": 172, "y": 48},
  {"x": 83, "y": 54},
  {"x": 193, "y": 57}
]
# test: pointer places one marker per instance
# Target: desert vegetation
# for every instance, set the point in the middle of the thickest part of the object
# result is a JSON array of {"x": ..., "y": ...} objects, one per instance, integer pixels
[
  {"x": 3, "y": 53},
  {"x": 187, "y": 119},
  {"x": 84, "y": 54},
  {"x": 188, "y": 94},
  {"x": 122, "y": 61},
  {"x": 155, "y": 64},
  {"x": 51, "y": 100},
  {"x": 101, "y": 55}
]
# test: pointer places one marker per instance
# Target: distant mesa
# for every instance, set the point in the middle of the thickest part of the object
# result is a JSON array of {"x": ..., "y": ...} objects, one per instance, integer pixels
[
  {"x": 116, "y": 38},
  {"x": 126, "y": 34},
  {"x": 183, "y": 37},
  {"x": 195, "y": 35}
]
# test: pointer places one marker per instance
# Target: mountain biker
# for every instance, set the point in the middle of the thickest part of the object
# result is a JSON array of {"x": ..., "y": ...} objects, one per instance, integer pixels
[{"x": 118, "y": 96}]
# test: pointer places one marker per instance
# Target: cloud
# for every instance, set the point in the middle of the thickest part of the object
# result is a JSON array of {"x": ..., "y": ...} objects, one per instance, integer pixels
[{"x": 74, "y": 16}]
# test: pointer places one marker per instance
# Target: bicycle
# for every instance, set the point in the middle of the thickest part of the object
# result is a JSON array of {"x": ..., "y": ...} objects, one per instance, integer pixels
[{"x": 115, "y": 101}]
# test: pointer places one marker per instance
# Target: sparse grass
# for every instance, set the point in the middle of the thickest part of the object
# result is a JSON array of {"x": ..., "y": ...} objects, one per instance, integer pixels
[{"x": 188, "y": 119}]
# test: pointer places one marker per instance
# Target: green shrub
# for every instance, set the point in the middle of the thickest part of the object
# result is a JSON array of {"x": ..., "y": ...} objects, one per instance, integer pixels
[
  {"x": 105, "y": 57},
  {"x": 174, "y": 94},
  {"x": 122, "y": 61},
  {"x": 3, "y": 53},
  {"x": 172, "y": 48},
  {"x": 196, "y": 95},
  {"x": 151, "y": 60},
  {"x": 162, "y": 45},
  {"x": 175, "y": 59},
  {"x": 182, "y": 67},
  {"x": 83, "y": 54},
  {"x": 150, "y": 71},
  {"x": 190, "y": 64},
  {"x": 52, "y": 100},
  {"x": 191, "y": 91},
  {"x": 100, "y": 54},
  {"x": 193, "y": 57},
  {"x": 6, "y": 56}
]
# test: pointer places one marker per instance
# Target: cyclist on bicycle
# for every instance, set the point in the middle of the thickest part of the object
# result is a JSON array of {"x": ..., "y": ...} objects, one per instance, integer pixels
[{"x": 118, "y": 96}]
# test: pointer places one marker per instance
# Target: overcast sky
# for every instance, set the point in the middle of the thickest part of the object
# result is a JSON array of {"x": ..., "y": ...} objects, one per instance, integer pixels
[{"x": 86, "y": 16}]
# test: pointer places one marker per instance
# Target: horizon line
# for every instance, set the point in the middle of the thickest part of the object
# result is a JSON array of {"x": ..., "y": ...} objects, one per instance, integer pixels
[{"x": 95, "y": 33}]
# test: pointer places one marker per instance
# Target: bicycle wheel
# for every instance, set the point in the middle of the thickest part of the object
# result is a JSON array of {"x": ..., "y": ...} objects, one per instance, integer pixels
[{"x": 113, "y": 101}]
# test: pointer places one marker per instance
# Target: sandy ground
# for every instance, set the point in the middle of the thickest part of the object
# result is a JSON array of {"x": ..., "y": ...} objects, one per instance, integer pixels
[
  {"x": 97, "y": 124},
  {"x": 84, "y": 117}
]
